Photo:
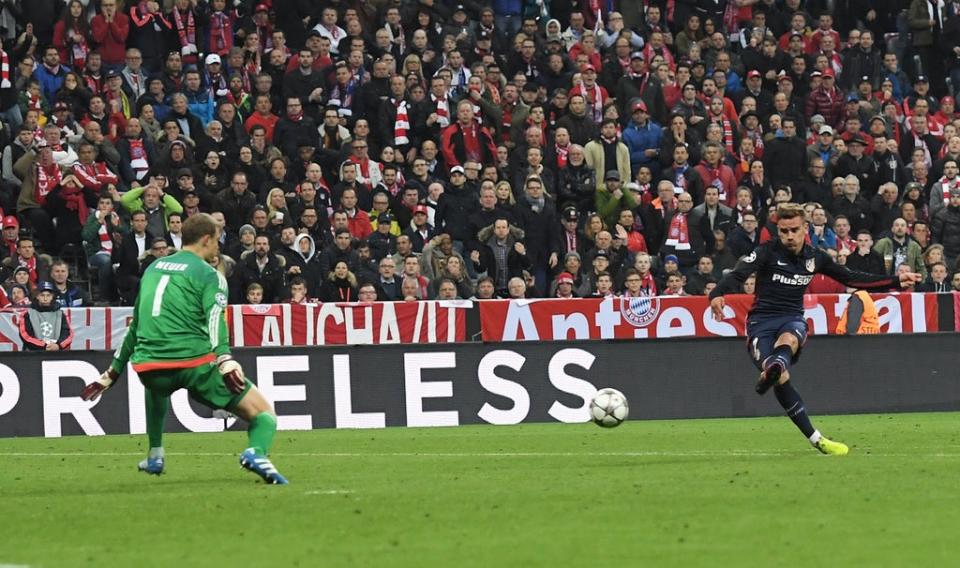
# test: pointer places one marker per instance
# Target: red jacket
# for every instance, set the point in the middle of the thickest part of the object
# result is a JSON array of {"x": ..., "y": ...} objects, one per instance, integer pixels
[
  {"x": 825, "y": 103},
  {"x": 359, "y": 225},
  {"x": 111, "y": 37},
  {"x": 723, "y": 177}
]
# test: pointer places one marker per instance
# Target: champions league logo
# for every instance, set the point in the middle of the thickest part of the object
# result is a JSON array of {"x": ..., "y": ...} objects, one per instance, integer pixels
[
  {"x": 641, "y": 311},
  {"x": 46, "y": 330},
  {"x": 811, "y": 264}
]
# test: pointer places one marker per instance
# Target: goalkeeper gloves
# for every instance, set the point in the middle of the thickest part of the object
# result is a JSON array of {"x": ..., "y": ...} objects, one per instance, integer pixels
[
  {"x": 97, "y": 387},
  {"x": 232, "y": 373}
]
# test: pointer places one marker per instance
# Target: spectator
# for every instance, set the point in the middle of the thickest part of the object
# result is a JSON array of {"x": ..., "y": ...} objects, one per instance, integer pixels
[
  {"x": 853, "y": 206},
  {"x": 945, "y": 228},
  {"x": 713, "y": 172},
  {"x": 687, "y": 234},
  {"x": 611, "y": 199},
  {"x": 864, "y": 258},
  {"x": 598, "y": 153},
  {"x": 155, "y": 203},
  {"x": 133, "y": 247},
  {"x": 698, "y": 279},
  {"x": 263, "y": 267},
  {"x": 467, "y": 140},
  {"x": 938, "y": 281},
  {"x": 37, "y": 265},
  {"x": 340, "y": 285},
  {"x": 236, "y": 202},
  {"x": 900, "y": 248},
  {"x": 44, "y": 326},
  {"x": 501, "y": 255},
  {"x": 40, "y": 175},
  {"x": 745, "y": 236}
]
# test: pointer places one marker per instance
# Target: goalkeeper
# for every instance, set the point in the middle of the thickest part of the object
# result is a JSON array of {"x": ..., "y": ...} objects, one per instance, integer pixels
[{"x": 178, "y": 340}]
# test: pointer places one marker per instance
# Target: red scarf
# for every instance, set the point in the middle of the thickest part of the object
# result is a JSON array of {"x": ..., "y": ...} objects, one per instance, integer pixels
[
  {"x": 5, "y": 70},
  {"x": 106, "y": 243},
  {"x": 47, "y": 179},
  {"x": 506, "y": 123},
  {"x": 649, "y": 285},
  {"x": 297, "y": 116},
  {"x": 727, "y": 132},
  {"x": 679, "y": 235},
  {"x": 562, "y": 155},
  {"x": 186, "y": 33},
  {"x": 73, "y": 198},
  {"x": 221, "y": 33}
]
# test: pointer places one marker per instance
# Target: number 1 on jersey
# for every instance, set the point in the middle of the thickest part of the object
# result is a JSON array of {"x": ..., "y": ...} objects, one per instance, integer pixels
[{"x": 158, "y": 294}]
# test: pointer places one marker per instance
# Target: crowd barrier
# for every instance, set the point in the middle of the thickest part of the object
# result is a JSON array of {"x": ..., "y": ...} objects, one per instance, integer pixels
[
  {"x": 503, "y": 383},
  {"x": 286, "y": 325}
]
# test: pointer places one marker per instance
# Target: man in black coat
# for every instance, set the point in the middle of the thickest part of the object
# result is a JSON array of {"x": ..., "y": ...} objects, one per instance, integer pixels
[
  {"x": 134, "y": 245},
  {"x": 785, "y": 158},
  {"x": 688, "y": 239},
  {"x": 538, "y": 216},
  {"x": 854, "y": 162},
  {"x": 295, "y": 128},
  {"x": 305, "y": 84},
  {"x": 263, "y": 267},
  {"x": 455, "y": 206},
  {"x": 640, "y": 83},
  {"x": 744, "y": 237}
]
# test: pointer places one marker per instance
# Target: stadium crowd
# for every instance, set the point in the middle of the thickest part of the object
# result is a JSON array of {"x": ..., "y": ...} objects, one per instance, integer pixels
[{"x": 419, "y": 149}]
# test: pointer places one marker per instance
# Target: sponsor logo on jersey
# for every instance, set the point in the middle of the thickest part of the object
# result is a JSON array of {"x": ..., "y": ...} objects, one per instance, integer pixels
[
  {"x": 639, "y": 312},
  {"x": 171, "y": 266},
  {"x": 797, "y": 280}
]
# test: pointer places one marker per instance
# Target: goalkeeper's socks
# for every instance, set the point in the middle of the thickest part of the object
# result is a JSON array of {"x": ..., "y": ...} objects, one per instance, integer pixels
[
  {"x": 155, "y": 453},
  {"x": 261, "y": 431},
  {"x": 781, "y": 355},
  {"x": 791, "y": 402}
]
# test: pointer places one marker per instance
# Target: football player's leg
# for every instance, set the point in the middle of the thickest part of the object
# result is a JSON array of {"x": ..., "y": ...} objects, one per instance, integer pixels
[
  {"x": 157, "y": 398},
  {"x": 255, "y": 409}
]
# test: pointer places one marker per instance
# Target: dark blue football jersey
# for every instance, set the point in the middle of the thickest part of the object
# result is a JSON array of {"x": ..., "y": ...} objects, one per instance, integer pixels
[{"x": 782, "y": 277}]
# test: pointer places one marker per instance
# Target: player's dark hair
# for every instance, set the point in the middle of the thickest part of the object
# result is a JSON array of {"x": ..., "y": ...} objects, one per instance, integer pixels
[{"x": 196, "y": 227}]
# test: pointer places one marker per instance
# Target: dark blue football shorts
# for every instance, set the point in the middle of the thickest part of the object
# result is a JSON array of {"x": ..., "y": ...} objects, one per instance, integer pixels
[{"x": 763, "y": 331}]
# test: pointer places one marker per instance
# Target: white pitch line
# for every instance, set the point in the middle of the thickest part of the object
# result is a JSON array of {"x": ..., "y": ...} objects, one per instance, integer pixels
[
  {"x": 693, "y": 453},
  {"x": 330, "y": 492}
]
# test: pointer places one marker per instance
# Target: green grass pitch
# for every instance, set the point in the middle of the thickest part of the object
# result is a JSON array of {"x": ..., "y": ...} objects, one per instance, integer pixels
[{"x": 744, "y": 492}]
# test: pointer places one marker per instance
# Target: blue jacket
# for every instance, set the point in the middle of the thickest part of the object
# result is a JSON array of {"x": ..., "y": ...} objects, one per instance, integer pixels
[
  {"x": 639, "y": 138},
  {"x": 50, "y": 83},
  {"x": 201, "y": 105},
  {"x": 507, "y": 7}
]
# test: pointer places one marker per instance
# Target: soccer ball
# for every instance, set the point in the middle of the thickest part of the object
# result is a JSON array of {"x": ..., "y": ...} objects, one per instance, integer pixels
[{"x": 608, "y": 408}]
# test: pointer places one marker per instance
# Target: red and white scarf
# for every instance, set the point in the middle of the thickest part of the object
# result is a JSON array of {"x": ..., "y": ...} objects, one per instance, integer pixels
[
  {"x": 139, "y": 161},
  {"x": 727, "y": 132},
  {"x": 106, "y": 243},
  {"x": 679, "y": 235},
  {"x": 947, "y": 185},
  {"x": 597, "y": 102},
  {"x": 402, "y": 125},
  {"x": 5, "y": 70},
  {"x": 48, "y": 178},
  {"x": 443, "y": 110}
]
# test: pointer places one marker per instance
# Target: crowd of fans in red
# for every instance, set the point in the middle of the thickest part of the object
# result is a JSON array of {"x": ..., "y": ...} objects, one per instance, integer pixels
[{"x": 420, "y": 149}]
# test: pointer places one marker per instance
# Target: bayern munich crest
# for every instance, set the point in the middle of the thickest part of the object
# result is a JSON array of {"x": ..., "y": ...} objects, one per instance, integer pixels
[{"x": 640, "y": 311}]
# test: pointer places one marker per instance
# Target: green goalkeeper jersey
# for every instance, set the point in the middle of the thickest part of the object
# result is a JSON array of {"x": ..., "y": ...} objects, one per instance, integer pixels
[{"x": 178, "y": 319}]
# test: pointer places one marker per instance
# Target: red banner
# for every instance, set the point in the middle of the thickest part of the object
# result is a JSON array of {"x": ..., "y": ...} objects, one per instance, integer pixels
[
  {"x": 276, "y": 325},
  {"x": 659, "y": 317}
]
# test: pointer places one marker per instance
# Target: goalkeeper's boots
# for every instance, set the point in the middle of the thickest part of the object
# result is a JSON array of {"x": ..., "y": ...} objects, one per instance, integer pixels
[
  {"x": 262, "y": 466},
  {"x": 831, "y": 448},
  {"x": 153, "y": 466}
]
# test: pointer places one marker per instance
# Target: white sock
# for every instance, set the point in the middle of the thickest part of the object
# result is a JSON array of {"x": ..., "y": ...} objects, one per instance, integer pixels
[
  {"x": 155, "y": 453},
  {"x": 815, "y": 437}
]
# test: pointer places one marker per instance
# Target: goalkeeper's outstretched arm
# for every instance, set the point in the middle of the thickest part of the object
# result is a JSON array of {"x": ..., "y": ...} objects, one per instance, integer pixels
[{"x": 120, "y": 358}]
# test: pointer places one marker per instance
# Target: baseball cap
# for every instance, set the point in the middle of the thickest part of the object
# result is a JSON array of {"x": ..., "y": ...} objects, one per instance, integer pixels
[
  {"x": 484, "y": 35},
  {"x": 636, "y": 55},
  {"x": 184, "y": 172},
  {"x": 921, "y": 79},
  {"x": 10, "y": 221},
  {"x": 111, "y": 74},
  {"x": 816, "y": 74},
  {"x": 612, "y": 174},
  {"x": 853, "y": 99},
  {"x": 865, "y": 79},
  {"x": 420, "y": 209},
  {"x": 46, "y": 286},
  {"x": 753, "y": 73},
  {"x": 459, "y": 8},
  {"x": 456, "y": 169},
  {"x": 955, "y": 192},
  {"x": 856, "y": 140},
  {"x": 564, "y": 278},
  {"x": 211, "y": 59},
  {"x": 784, "y": 78},
  {"x": 671, "y": 258},
  {"x": 61, "y": 105},
  {"x": 571, "y": 214},
  {"x": 587, "y": 67},
  {"x": 828, "y": 72},
  {"x": 601, "y": 254},
  {"x": 638, "y": 105},
  {"x": 385, "y": 218},
  {"x": 826, "y": 129},
  {"x": 261, "y": 8}
]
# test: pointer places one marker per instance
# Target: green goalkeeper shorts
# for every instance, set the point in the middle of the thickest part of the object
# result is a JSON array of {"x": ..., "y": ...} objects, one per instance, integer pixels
[{"x": 204, "y": 383}]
